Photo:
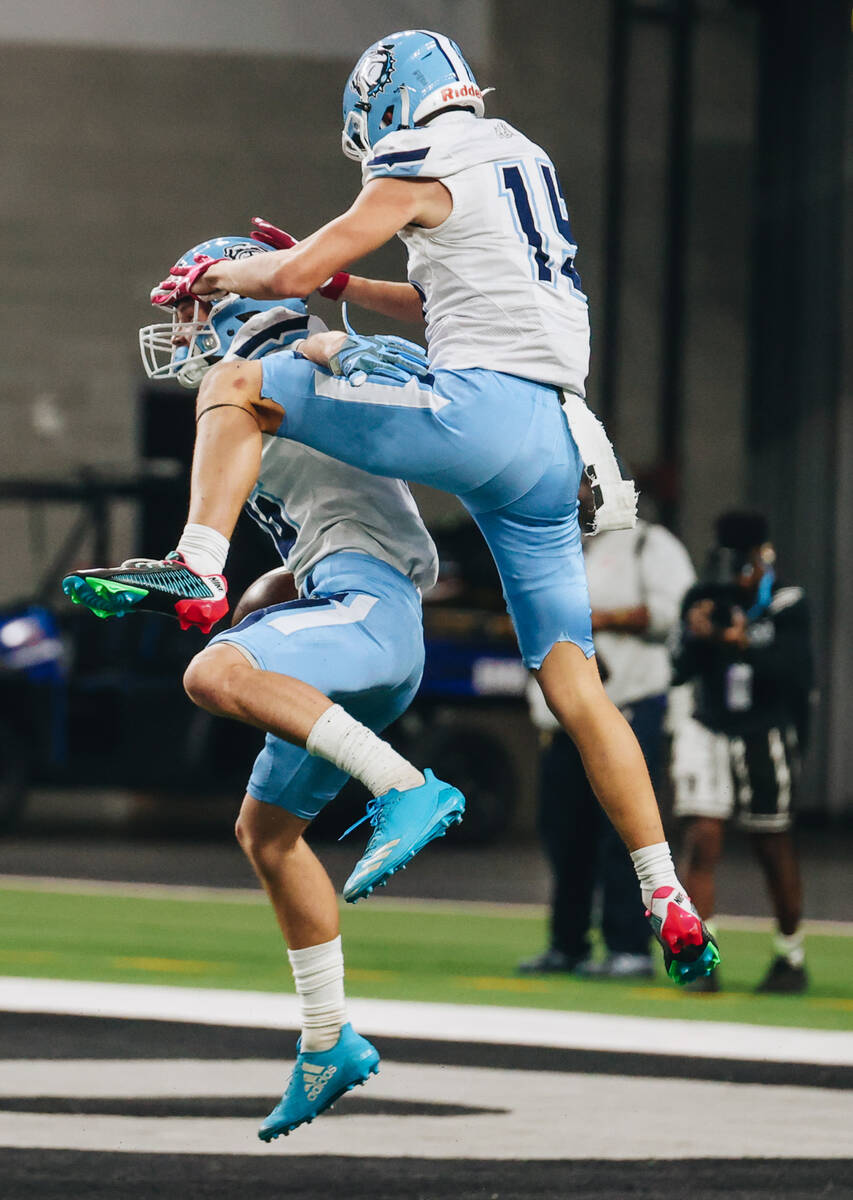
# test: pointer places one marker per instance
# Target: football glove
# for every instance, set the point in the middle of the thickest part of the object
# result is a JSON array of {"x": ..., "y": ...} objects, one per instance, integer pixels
[
  {"x": 178, "y": 284},
  {"x": 383, "y": 356},
  {"x": 271, "y": 235}
]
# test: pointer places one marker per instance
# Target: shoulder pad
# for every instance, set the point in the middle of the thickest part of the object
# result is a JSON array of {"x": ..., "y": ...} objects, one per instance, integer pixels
[{"x": 784, "y": 598}]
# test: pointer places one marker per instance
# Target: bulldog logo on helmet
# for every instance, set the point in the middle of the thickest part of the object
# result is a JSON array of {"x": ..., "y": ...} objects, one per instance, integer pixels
[
  {"x": 243, "y": 250},
  {"x": 374, "y": 72}
]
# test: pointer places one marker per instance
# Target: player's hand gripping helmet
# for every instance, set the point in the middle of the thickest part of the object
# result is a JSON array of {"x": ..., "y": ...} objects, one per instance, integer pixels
[
  {"x": 401, "y": 80},
  {"x": 185, "y": 350}
]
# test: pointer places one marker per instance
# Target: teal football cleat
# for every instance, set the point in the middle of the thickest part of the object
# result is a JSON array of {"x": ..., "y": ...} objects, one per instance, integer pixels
[
  {"x": 318, "y": 1080},
  {"x": 167, "y": 586},
  {"x": 689, "y": 949},
  {"x": 403, "y": 823}
]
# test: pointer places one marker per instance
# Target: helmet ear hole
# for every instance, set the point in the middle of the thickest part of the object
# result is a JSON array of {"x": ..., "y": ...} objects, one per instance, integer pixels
[{"x": 387, "y": 117}]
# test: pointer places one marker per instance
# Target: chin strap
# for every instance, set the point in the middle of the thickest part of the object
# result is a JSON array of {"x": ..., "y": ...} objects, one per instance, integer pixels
[{"x": 405, "y": 106}]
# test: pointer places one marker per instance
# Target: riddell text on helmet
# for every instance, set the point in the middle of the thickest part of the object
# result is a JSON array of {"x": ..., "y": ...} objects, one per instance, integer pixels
[{"x": 456, "y": 93}]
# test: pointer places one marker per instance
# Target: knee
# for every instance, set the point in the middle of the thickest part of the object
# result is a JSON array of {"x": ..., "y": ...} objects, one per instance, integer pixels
[
  {"x": 267, "y": 853},
  {"x": 210, "y": 684},
  {"x": 577, "y": 702}
]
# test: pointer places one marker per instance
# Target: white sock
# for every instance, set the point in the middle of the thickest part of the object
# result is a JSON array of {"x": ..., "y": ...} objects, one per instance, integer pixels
[
  {"x": 790, "y": 947},
  {"x": 655, "y": 868},
  {"x": 204, "y": 549},
  {"x": 318, "y": 972},
  {"x": 339, "y": 738}
]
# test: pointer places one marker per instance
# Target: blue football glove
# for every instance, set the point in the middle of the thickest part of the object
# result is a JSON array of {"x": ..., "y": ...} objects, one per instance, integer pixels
[{"x": 382, "y": 356}]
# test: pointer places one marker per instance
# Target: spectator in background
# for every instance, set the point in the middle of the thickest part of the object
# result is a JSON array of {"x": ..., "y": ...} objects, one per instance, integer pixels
[
  {"x": 744, "y": 643},
  {"x": 637, "y": 579}
]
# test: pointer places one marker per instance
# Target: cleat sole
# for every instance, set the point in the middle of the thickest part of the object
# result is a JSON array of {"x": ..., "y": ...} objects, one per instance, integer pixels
[
  {"x": 102, "y": 597},
  {"x": 706, "y": 962}
]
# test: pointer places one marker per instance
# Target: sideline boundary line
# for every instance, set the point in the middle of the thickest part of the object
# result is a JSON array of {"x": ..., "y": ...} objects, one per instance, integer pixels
[{"x": 437, "y": 1022}]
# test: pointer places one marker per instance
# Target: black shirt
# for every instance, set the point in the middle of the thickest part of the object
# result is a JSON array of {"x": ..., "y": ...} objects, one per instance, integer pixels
[{"x": 746, "y": 691}]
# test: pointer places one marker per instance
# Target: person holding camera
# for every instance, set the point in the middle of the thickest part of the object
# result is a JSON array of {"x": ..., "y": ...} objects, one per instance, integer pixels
[{"x": 744, "y": 644}]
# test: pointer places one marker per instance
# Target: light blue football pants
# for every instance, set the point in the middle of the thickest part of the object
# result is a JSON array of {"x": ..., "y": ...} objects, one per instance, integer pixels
[{"x": 499, "y": 443}]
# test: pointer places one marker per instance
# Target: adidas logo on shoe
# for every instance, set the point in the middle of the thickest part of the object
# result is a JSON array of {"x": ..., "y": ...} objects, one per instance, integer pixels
[
  {"x": 375, "y": 858},
  {"x": 315, "y": 1078}
]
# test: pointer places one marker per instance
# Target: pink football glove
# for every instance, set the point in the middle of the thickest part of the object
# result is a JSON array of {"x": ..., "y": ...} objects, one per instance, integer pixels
[
  {"x": 178, "y": 285},
  {"x": 271, "y": 235}
]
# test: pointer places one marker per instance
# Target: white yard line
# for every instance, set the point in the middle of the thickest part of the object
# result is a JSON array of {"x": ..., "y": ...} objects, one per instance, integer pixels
[
  {"x": 437, "y": 1022},
  {"x": 528, "y": 1114},
  {"x": 487, "y": 908}
]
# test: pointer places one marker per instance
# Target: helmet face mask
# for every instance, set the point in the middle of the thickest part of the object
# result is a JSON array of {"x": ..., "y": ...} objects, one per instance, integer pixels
[
  {"x": 185, "y": 350},
  {"x": 180, "y": 349},
  {"x": 399, "y": 82}
]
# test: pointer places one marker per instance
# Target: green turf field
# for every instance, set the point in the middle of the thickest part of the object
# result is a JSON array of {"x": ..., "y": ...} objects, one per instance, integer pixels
[{"x": 401, "y": 953}]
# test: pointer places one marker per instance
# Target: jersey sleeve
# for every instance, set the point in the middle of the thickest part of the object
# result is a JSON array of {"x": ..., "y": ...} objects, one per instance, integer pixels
[{"x": 415, "y": 154}]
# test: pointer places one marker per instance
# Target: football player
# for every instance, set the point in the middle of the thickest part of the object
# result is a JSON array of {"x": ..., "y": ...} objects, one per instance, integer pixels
[
  {"x": 348, "y": 651},
  {"x": 491, "y": 268}
]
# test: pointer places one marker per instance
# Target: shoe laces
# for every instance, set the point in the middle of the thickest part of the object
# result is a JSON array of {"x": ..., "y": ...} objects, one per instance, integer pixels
[
  {"x": 295, "y": 1081},
  {"x": 373, "y": 814}
]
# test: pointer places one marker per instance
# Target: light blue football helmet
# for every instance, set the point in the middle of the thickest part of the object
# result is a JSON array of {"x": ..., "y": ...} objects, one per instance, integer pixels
[
  {"x": 185, "y": 350},
  {"x": 401, "y": 80}
]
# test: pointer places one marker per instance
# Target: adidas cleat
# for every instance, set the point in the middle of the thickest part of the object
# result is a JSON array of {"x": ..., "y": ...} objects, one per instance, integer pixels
[
  {"x": 318, "y": 1080},
  {"x": 403, "y": 823},
  {"x": 689, "y": 950},
  {"x": 165, "y": 586}
]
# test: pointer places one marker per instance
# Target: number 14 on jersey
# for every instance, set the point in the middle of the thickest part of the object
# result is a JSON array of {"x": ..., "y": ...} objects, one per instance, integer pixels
[{"x": 541, "y": 220}]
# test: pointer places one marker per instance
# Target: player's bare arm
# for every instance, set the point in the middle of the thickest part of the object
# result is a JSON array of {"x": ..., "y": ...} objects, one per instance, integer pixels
[
  {"x": 400, "y": 301},
  {"x": 383, "y": 207}
]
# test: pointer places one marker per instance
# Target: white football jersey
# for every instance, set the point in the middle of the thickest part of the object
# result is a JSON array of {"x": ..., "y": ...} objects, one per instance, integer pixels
[
  {"x": 497, "y": 277},
  {"x": 332, "y": 507}
]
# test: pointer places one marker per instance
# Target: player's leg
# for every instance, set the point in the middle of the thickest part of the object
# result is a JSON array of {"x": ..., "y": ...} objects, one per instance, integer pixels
[
  {"x": 764, "y": 770},
  {"x": 331, "y": 1056},
  {"x": 231, "y": 415},
  {"x": 612, "y": 758},
  {"x": 704, "y": 801},
  {"x": 411, "y": 430},
  {"x": 222, "y": 681},
  {"x": 370, "y": 654},
  {"x": 623, "y": 924},
  {"x": 777, "y": 855},
  {"x": 327, "y": 673},
  {"x": 535, "y": 541},
  {"x": 298, "y": 886},
  {"x": 702, "y": 847}
]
